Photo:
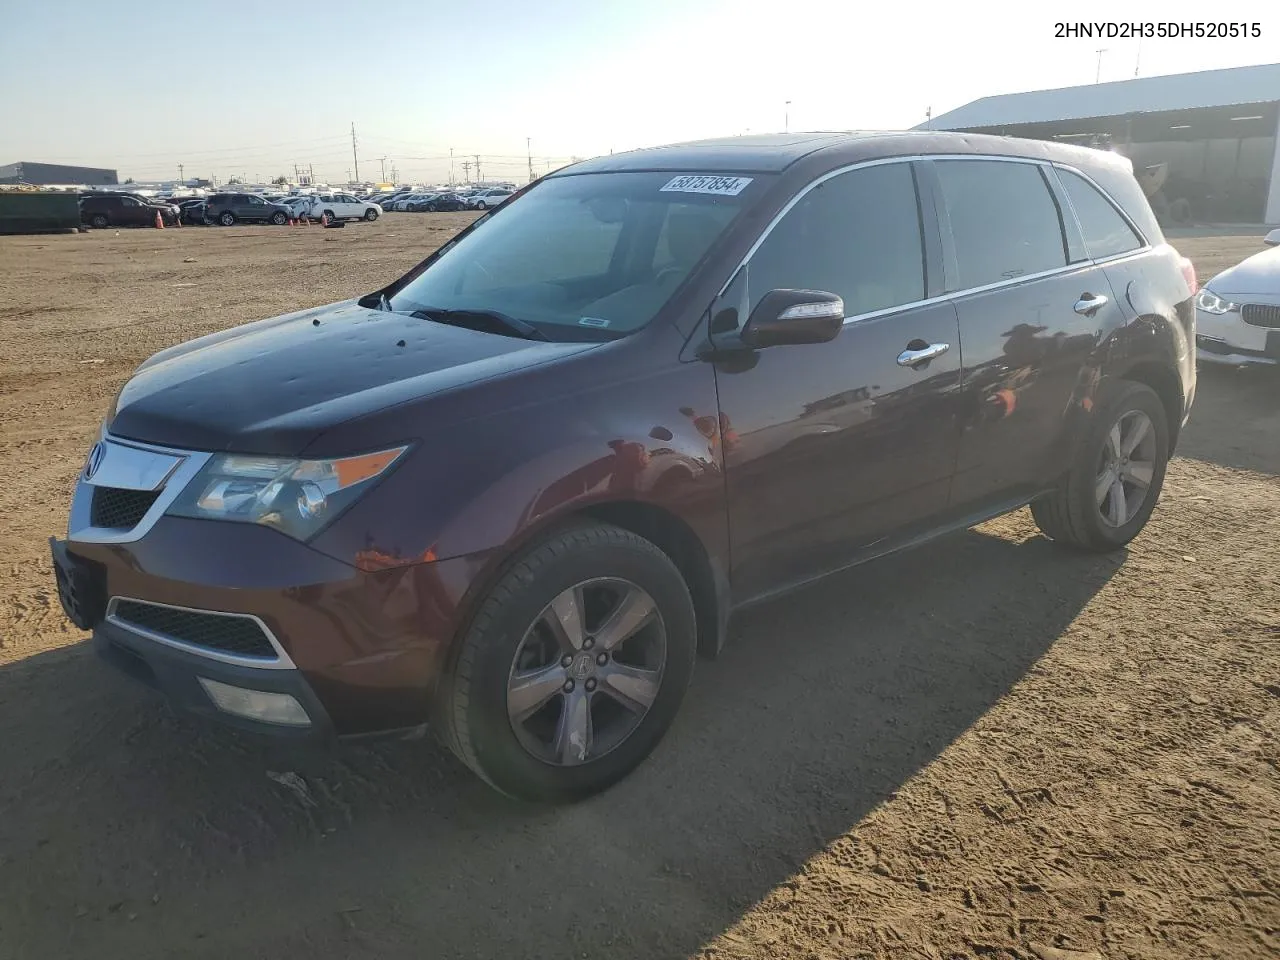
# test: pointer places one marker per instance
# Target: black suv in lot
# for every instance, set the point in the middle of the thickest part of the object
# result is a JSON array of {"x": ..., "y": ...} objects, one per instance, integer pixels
[
  {"x": 230, "y": 208},
  {"x": 512, "y": 493},
  {"x": 123, "y": 210}
]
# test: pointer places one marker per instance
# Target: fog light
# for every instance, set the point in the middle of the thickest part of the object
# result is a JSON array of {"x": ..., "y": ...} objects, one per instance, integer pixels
[{"x": 279, "y": 708}]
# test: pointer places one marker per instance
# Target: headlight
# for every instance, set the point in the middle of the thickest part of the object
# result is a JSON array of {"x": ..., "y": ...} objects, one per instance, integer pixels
[
  {"x": 297, "y": 497},
  {"x": 1210, "y": 302}
]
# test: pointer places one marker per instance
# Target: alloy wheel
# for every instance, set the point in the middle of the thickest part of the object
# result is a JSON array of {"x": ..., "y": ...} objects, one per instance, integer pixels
[
  {"x": 586, "y": 671},
  {"x": 1126, "y": 468}
]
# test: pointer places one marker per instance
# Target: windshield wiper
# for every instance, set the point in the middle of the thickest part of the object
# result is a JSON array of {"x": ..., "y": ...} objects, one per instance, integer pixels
[{"x": 505, "y": 323}]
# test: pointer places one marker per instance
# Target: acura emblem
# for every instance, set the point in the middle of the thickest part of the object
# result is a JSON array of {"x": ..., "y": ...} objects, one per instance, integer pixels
[{"x": 95, "y": 460}]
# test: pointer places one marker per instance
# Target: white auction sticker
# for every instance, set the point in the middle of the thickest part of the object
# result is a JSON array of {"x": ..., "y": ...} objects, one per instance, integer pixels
[{"x": 701, "y": 183}]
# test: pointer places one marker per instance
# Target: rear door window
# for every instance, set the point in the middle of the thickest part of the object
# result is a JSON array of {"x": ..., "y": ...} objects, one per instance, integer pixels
[
  {"x": 1005, "y": 222},
  {"x": 1106, "y": 233},
  {"x": 857, "y": 235}
]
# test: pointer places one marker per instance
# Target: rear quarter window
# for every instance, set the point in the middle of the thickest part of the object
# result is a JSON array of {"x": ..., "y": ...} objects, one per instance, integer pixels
[{"x": 1106, "y": 232}]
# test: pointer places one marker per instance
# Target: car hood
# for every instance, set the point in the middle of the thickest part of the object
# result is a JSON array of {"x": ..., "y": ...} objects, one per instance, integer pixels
[
  {"x": 273, "y": 386},
  {"x": 1259, "y": 274}
]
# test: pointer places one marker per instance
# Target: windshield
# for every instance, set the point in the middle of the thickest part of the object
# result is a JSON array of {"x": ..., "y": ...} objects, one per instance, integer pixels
[{"x": 585, "y": 257}]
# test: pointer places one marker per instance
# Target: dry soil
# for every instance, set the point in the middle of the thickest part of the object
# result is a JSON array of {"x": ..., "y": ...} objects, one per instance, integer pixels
[{"x": 986, "y": 748}]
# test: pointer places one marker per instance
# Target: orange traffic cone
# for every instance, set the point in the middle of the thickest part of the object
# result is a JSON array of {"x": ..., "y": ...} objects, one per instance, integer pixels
[
  {"x": 159, "y": 221},
  {"x": 324, "y": 219}
]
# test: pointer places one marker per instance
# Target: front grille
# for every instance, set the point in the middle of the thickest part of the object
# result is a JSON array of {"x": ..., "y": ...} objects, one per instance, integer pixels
[
  {"x": 1261, "y": 314},
  {"x": 228, "y": 633},
  {"x": 120, "y": 509}
]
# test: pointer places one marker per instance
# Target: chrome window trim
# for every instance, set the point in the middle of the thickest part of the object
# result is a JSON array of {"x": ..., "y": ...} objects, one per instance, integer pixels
[
  {"x": 81, "y": 530},
  {"x": 1144, "y": 240},
  {"x": 281, "y": 662},
  {"x": 952, "y": 294}
]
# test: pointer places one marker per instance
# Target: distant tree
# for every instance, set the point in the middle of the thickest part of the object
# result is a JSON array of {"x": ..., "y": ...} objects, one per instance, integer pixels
[
  {"x": 130, "y": 180},
  {"x": 235, "y": 180},
  {"x": 280, "y": 181}
]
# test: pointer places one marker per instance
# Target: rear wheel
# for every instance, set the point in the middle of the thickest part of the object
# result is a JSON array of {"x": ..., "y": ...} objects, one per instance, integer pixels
[
  {"x": 227, "y": 218},
  {"x": 329, "y": 214},
  {"x": 99, "y": 221},
  {"x": 574, "y": 667},
  {"x": 1108, "y": 495},
  {"x": 371, "y": 215},
  {"x": 279, "y": 219},
  {"x": 482, "y": 205}
]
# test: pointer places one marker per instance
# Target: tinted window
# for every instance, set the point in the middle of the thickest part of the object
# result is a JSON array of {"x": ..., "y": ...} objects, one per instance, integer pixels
[
  {"x": 856, "y": 235},
  {"x": 1105, "y": 232},
  {"x": 1004, "y": 220},
  {"x": 257, "y": 200}
]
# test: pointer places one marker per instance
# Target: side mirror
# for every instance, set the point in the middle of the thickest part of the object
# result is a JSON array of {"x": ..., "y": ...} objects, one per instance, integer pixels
[
  {"x": 1272, "y": 239},
  {"x": 794, "y": 316}
]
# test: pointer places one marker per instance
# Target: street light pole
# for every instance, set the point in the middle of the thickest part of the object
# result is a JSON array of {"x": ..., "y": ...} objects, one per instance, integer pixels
[
  {"x": 1097, "y": 77},
  {"x": 786, "y": 122}
]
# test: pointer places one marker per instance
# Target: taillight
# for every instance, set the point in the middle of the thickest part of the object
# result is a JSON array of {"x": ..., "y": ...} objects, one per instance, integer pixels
[{"x": 1189, "y": 274}]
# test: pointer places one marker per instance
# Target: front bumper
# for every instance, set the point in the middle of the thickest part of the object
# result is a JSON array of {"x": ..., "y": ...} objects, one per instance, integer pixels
[
  {"x": 176, "y": 674},
  {"x": 1227, "y": 339}
]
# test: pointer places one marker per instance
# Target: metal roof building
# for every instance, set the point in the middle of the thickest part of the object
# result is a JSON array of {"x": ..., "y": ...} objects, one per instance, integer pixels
[
  {"x": 55, "y": 173},
  {"x": 1209, "y": 138}
]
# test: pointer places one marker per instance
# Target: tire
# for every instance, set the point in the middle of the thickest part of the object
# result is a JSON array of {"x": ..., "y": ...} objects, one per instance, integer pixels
[
  {"x": 99, "y": 221},
  {"x": 473, "y": 702},
  {"x": 279, "y": 219},
  {"x": 370, "y": 215},
  {"x": 227, "y": 218},
  {"x": 1073, "y": 514},
  {"x": 329, "y": 214},
  {"x": 482, "y": 205},
  {"x": 431, "y": 208}
]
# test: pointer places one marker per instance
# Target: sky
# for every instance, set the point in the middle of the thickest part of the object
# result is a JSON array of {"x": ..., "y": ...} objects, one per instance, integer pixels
[{"x": 234, "y": 88}]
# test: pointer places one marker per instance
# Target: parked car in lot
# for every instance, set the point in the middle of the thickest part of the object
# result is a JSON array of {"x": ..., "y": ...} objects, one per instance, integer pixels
[
  {"x": 513, "y": 492},
  {"x": 343, "y": 206},
  {"x": 119, "y": 210},
  {"x": 191, "y": 211},
  {"x": 485, "y": 199},
  {"x": 444, "y": 202},
  {"x": 417, "y": 202},
  {"x": 401, "y": 203},
  {"x": 1238, "y": 311},
  {"x": 299, "y": 206},
  {"x": 231, "y": 208}
]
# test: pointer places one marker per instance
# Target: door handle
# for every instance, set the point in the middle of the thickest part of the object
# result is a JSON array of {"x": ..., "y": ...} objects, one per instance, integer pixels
[
  {"x": 1089, "y": 304},
  {"x": 910, "y": 358}
]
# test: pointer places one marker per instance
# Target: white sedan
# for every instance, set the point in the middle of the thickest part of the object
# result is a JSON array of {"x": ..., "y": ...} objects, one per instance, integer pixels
[
  {"x": 343, "y": 206},
  {"x": 1238, "y": 311}
]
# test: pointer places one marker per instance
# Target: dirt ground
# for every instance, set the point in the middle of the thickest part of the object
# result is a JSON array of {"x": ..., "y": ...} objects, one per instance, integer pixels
[{"x": 986, "y": 748}]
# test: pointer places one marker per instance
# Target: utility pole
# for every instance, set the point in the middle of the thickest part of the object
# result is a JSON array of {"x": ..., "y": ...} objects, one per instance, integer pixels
[
  {"x": 451, "y": 181},
  {"x": 1097, "y": 77},
  {"x": 1137, "y": 62},
  {"x": 354, "y": 159},
  {"x": 311, "y": 177},
  {"x": 528, "y": 145},
  {"x": 478, "y": 177},
  {"x": 181, "y": 178},
  {"x": 786, "y": 119},
  {"x": 383, "y": 161},
  {"x": 466, "y": 171},
  {"x": 928, "y": 117}
]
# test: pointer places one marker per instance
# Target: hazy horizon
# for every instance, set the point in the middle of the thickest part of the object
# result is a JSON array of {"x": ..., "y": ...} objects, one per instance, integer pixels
[{"x": 226, "y": 90}]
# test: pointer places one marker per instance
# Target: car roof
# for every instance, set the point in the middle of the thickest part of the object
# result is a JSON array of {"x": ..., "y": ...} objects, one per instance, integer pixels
[{"x": 773, "y": 153}]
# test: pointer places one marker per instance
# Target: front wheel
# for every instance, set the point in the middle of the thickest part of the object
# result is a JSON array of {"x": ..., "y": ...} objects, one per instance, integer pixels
[
  {"x": 279, "y": 219},
  {"x": 370, "y": 215},
  {"x": 1107, "y": 496},
  {"x": 574, "y": 666},
  {"x": 227, "y": 219},
  {"x": 99, "y": 221},
  {"x": 482, "y": 205}
]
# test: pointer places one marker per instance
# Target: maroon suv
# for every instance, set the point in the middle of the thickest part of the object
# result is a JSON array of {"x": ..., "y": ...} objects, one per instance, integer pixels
[{"x": 513, "y": 493}]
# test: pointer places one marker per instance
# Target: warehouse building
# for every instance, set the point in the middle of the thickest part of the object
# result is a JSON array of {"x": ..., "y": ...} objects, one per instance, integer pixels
[
  {"x": 1204, "y": 145},
  {"x": 55, "y": 173}
]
